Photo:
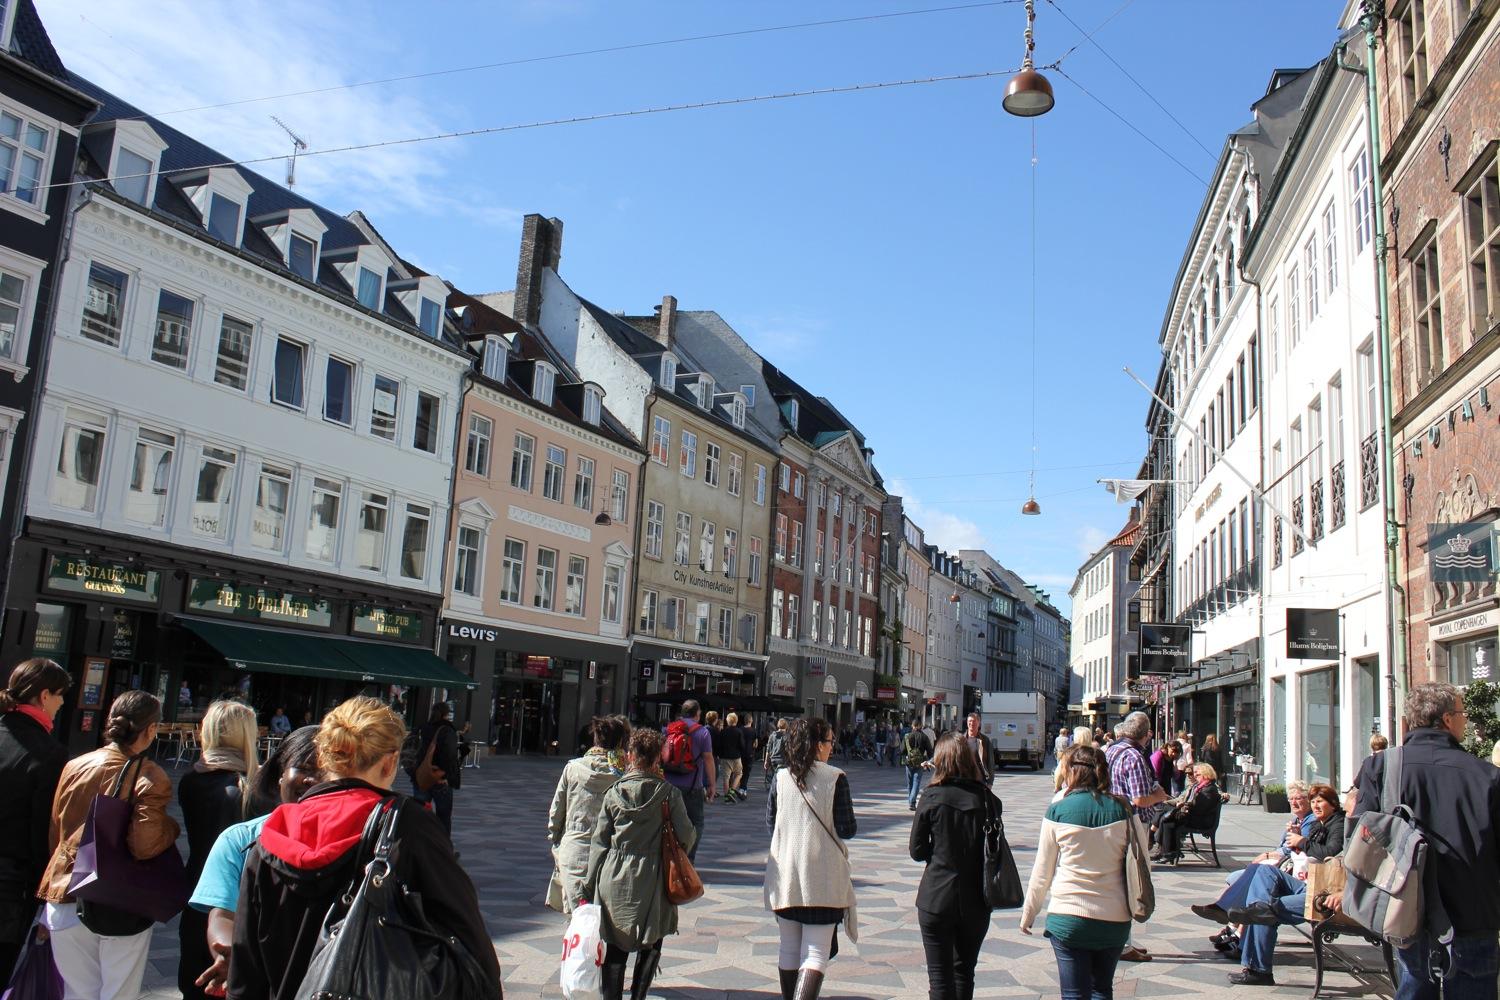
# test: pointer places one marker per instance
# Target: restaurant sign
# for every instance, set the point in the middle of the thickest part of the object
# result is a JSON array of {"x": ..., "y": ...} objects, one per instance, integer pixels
[
  {"x": 887, "y": 687},
  {"x": 387, "y": 623},
  {"x": 97, "y": 578},
  {"x": 264, "y": 604}
]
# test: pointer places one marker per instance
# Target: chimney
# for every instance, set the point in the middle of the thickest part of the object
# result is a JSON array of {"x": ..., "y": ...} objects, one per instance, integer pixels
[
  {"x": 541, "y": 248},
  {"x": 666, "y": 321}
]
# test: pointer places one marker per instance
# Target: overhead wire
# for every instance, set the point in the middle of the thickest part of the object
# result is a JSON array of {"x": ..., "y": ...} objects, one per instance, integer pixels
[{"x": 1133, "y": 127}]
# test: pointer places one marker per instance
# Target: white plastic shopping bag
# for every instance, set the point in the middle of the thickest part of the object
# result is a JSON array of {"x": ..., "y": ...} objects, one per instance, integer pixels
[{"x": 582, "y": 955}]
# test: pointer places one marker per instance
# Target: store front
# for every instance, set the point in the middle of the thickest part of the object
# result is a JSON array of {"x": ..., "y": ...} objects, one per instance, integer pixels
[
  {"x": 1222, "y": 699},
  {"x": 666, "y": 674}
]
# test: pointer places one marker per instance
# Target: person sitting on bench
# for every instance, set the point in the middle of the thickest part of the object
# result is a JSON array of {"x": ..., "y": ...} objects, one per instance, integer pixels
[{"x": 1198, "y": 811}]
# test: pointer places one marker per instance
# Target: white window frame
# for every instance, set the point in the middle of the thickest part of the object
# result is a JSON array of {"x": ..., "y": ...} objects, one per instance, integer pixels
[
  {"x": 328, "y": 362},
  {"x": 475, "y": 562},
  {"x": 233, "y": 463},
  {"x": 479, "y": 445},
  {"x": 369, "y": 500},
  {"x": 760, "y": 484},
  {"x": 735, "y": 474},
  {"x": 712, "y": 456},
  {"x": 287, "y": 477},
  {"x": 583, "y": 483},
  {"x": 554, "y": 481},
  {"x": 593, "y": 405},
  {"x": 522, "y": 462},
  {"x": 29, "y": 270},
  {"x": 9, "y": 201},
  {"x": 168, "y": 445},
  {"x": 656, "y": 520},
  {"x": 612, "y": 594},
  {"x": 543, "y": 383},
  {"x": 544, "y": 581},
  {"x": 415, "y": 512},
  {"x": 688, "y": 455},
  {"x": 661, "y": 440},
  {"x": 581, "y": 579},
  {"x": 646, "y": 623},
  {"x": 304, "y": 349},
  {"x": 513, "y": 572},
  {"x": 619, "y": 495}
]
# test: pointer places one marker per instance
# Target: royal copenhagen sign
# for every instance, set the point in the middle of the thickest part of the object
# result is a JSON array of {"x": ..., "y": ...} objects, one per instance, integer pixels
[{"x": 1484, "y": 621}]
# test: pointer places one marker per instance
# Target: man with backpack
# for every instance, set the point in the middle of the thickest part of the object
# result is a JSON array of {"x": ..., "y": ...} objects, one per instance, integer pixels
[
  {"x": 916, "y": 754},
  {"x": 432, "y": 761},
  {"x": 687, "y": 761},
  {"x": 775, "y": 751},
  {"x": 1454, "y": 798}
]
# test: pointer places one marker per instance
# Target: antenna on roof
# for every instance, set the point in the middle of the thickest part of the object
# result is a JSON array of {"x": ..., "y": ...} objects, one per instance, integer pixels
[{"x": 298, "y": 145}]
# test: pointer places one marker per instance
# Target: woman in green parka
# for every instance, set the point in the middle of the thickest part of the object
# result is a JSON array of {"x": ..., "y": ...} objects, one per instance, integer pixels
[
  {"x": 625, "y": 876},
  {"x": 575, "y": 808}
]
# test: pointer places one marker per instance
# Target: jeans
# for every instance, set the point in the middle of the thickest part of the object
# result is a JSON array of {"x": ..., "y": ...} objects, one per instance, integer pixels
[
  {"x": 879, "y": 754},
  {"x": 441, "y": 797},
  {"x": 693, "y": 799},
  {"x": 1086, "y": 973},
  {"x": 952, "y": 944},
  {"x": 913, "y": 785},
  {"x": 1474, "y": 962},
  {"x": 1269, "y": 884}
]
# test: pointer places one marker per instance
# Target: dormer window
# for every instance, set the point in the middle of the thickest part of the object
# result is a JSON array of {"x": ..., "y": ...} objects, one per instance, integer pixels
[
  {"x": 368, "y": 290},
  {"x": 223, "y": 219},
  {"x": 593, "y": 404},
  {"x": 431, "y": 318},
  {"x": 737, "y": 411},
  {"x": 302, "y": 256},
  {"x": 496, "y": 355},
  {"x": 705, "y": 392},
  {"x": 424, "y": 297},
  {"x": 134, "y": 151},
  {"x": 669, "y": 370},
  {"x": 792, "y": 412},
  {"x": 297, "y": 233},
  {"x": 543, "y": 378},
  {"x": 133, "y": 176},
  {"x": 220, "y": 195}
]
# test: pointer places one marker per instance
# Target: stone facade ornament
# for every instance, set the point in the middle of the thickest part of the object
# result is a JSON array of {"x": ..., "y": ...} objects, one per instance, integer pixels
[{"x": 1463, "y": 502}]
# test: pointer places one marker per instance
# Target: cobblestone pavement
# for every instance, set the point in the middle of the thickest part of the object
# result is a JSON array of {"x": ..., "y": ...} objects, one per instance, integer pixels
[{"x": 727, "y": 946}]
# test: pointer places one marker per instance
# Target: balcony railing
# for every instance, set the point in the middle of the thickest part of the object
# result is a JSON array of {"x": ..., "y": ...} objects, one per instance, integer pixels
[
  {"x": 1369, "y": 472},
  {"x": 1298, "y": 522},
  {"x": 1315, "y": 510},
  {"x": 1336, "y": 498},
  {"x": 1276, "y": 543}
]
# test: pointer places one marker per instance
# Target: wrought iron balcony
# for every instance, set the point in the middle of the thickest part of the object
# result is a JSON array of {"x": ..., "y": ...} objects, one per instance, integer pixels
[
  {"x": 1336, "y": 498},
  {"x": 1298, "y": 522},
  {"x": 1276, "y": 543},
  {"x": 1369, "y": 472},
  {"x": 1315, "y": 510}
]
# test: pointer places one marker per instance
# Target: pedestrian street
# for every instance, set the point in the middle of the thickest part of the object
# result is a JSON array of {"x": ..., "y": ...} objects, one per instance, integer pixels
[{"x": 726, "y": 949}]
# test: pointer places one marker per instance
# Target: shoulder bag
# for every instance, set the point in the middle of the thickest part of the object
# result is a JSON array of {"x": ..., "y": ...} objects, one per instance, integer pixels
[
  {"x": 377, "y": 943},
  {"x": 683, "y": 883},
  {"x": 1140, "y": 895},
  {"x": 1002, "y": 880}
]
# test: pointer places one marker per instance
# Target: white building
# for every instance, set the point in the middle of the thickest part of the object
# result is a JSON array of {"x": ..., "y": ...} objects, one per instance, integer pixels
[
  {"x": 1106, "y": 617},
  {"x": 942, "y": 683},
  {"x": 1312, "y": 254}
]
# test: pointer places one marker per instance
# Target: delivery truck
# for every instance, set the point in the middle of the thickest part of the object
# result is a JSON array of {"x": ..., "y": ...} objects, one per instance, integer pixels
[{"x": 1016, "y": 724}]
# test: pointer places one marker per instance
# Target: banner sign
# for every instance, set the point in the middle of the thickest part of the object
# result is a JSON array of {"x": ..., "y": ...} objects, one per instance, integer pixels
[
  {"x": 98, "y": 578},
  {"x": 1164, "y": 648},
  {"x": 387, "y": 623},
  {"x": 1312, "y": 634},
  {"x": 1460, "y": 553},
  {"x": 258, "y": 603}
]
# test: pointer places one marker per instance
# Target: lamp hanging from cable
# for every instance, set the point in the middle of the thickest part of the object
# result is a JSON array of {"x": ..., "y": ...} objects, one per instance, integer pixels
[
  {"x": 1031, "y": 508},
  {"x": 1028, "y": 93}
]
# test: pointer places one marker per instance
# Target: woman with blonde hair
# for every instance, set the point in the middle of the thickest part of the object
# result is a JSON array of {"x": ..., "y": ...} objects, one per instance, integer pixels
[
  {"x": 213, "y": 797},
  {"x": 1198, "y": 810},
  {"x": 309, "y": 856}
]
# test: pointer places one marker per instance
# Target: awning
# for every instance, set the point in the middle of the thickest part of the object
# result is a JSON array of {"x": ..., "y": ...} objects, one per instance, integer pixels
[{"x": 302, "y": 654}]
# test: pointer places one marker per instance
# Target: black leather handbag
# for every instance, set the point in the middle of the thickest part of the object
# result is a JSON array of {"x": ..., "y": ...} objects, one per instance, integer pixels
[
  {"x": 377, "y": 943},
  {"x": 1002, "y": 880}
]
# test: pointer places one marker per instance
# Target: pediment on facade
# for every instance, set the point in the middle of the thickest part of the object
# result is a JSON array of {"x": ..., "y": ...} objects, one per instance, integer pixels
[
  {"x": 843, "y": 452},
  {"x": 475, "y": 507},
  {"x": 617, "y": 549}
]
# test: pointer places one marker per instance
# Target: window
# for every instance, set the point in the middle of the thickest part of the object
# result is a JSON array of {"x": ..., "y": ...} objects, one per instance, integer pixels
[
  {"x": 706, "y": 546},
  {"x": 796, "y": 553},
  {"x": 383, "y": 407},
  {"x": 132, "y": 175},
  {"x": 338, "y": 392},
  {"x": 619, "y": 495},
  {"x": 496, "y": 358},
  {"x": 512, "y": 567},
  {"x": 302, "y": 257},
  {"x": 792, "y": 413},
  {"x": 731, "y": 553},
  {"x": 647, "y": 623},
  {"x": 104, "y": 305},
  {"x": 573, "y": 587},
  {"x": 468, "y": 561},
  {"x": 425, "y": 435},
  {"x": 1482, "y": 241},
  {"x": 521, "y": 455},
  {"x": 1428, "y": 307},
  {"x": 748, "y": 391},
  {"x": 792, "y": 603},
  {"x": 688, "y": 458},
  {"x": 655, "y": 523},
  {"x": 369, "y": 539},
  {"x": 13, "y": 306},
  {"x": 593, "y": 405},
  {"x": 778, "y": 598},
  {"x": 736, "y": 474},
  {"x": 414, "y": 542},
  {"x": 1335, "y": 419},
  {"x": 546, "y": 579},
  {"x": 1369, "y": 407},
  {"x": 614, "y": 577},
  {"x": 784, "y": 476},
  {"x": 737, "y": 412},
  {"x": 150, "y": 478},
  {"x": 286, "y": 380},
  {"x": 816, "y": 622},
  {"x": 1330, "y": 248},
  {"x": 273, "y": 492},
  {"x": 223, "y": 219},
  {"x": 431, "y": 319},
  {"x": 838, "y": 504},
  {"x": 1411, "y": 50},
  {"x": 756, "y": 545},
  {"x": 543, "y": 378},
  {"x": 760, "y": 485},
  {"x": 661, "y": 440},
  {"x": 583, "y": 484},
  {"x": 820, "y": 495},
  {"x": 1310, "y": 266},
  {"x": 780, "y": 536},
  {"x": 233, "y": 365},
  {"x": 1361, "y": 200},
  {"x": 668, "y": 371},
  {"x": 1318, "y": 725},
  {"x": 23, "y": 156},
  {"x": 1273, "y": 326},
  {"x": 711, "y": 463},
  {"x": 726, "y": 627},
  {"x": 1470, "y": 660},
  {"x": 79, "y": 462},
  {"x": 818, "y": 554},
  {"x": 683, "y": 540},
  {"x": 673, "y": 616},
  {"x": 368, "y": 291},
  {"x": 799, "y": 483},
  {"x": 174, "y": 325},
  {"x": 552, "y": 473},
  {"x": 700, "y": 624},
  {"x": 214, "y": 494},
  {"x": 323, "y": 520},
  {"x": 1293, "y": 316}
]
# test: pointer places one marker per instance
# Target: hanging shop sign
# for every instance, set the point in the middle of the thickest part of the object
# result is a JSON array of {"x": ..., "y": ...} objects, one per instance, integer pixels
[
  {"x": 817, "y": 666},
  {"x": 1164, "y": 648},
  {"x": 387, "y": 623},
  {"x": 97, "y": 578},
  {"x": 53, "y": 625},
  {"x": 782, "y": 683},
  {"x": 887, "y": 687},
  {"x": 1460, "y": 553},
  {"x": 264, "y": 604},
  {"x": 1312, "y": 634}
]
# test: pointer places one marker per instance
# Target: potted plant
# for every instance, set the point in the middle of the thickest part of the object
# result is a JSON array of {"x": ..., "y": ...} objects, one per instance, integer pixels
[{"x": 1275, "y": 798}]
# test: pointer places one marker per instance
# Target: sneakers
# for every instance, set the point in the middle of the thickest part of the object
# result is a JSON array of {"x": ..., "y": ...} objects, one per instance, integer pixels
[{"x": 1251, "y": 977}]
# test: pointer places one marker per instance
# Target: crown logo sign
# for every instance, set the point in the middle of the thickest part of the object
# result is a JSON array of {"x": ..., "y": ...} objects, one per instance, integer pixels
[{"x": 1460, "y": 544}]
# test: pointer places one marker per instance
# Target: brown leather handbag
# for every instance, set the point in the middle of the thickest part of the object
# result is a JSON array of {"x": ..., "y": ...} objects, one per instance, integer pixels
[{"x": 683, "y": 883}]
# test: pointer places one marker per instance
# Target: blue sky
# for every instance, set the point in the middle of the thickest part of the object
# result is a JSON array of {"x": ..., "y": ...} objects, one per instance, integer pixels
[{"x": 876, "y": 245}]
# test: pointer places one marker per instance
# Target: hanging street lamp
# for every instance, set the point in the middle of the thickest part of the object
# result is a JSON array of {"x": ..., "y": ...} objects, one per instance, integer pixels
[{"x": 1028, "y": 94}]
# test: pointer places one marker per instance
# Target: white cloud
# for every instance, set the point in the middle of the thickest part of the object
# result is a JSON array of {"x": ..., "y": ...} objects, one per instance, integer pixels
[
  {"x": 1090, "y": 540},
  {"x": 941, "y": 528}
]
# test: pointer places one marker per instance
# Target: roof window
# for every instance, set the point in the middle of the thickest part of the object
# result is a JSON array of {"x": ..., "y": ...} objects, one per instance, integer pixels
[
  {"x": 593, "y": 404},
  {"x": 496, "y": 357},
  {"x": 543, "y": 378}
]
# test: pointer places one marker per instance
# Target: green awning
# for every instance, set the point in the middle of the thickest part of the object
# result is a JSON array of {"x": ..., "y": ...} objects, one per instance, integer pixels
[{"x": 303, "y": 654}]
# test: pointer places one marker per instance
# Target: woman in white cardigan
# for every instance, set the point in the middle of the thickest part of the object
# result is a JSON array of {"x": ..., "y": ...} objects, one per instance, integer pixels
[
  {"x": 1080, "y": 861},
  {"x": 808, "y": 884}
]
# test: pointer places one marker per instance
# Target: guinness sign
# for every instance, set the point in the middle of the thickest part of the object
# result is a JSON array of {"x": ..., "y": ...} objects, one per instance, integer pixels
[{"x": 1312, "y": 634}]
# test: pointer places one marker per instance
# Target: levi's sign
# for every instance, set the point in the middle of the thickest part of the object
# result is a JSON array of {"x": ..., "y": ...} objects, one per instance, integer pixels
[{"x": 457, "y": 631}]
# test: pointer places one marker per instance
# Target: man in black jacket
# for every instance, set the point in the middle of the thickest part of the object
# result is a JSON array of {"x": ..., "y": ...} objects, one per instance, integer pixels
[
  {"x": 1455, "y": 798},
  {"x": 443, "y": 738}
]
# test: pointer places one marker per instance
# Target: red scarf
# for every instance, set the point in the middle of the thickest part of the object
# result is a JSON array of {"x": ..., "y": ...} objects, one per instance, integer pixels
[{"x": 42, "y": 718}]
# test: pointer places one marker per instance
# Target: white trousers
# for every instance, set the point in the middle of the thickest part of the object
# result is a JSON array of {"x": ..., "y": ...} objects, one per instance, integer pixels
[
  {"x": 98, "y": 968},
  {"x": 804, "y": 946}
]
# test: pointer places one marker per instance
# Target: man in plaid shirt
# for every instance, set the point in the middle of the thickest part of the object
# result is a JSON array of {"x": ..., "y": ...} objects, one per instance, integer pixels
[{"x": 1130, "y": 775}]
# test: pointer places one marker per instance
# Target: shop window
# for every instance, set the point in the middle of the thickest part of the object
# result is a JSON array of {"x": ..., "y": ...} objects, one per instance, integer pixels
[
  {"x": 1470, "y": 660},
  {"x": 1318, "y": 726}
]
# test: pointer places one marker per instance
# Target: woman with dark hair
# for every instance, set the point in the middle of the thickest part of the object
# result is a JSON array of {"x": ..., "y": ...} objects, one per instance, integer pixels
[
  {"x": 1080, "y": 859},
  {"x": 948, "y": 834},
  {"x": 808, "y": 883},
  {"x": 292, "y": 770},
  {"x": 101, "y": 952},
  {"x": 625, "y": 875},
  {"x": 31, "y": 762},
  {"x": 1213, "y": 755},
  {"x": 575, "y": 808}
]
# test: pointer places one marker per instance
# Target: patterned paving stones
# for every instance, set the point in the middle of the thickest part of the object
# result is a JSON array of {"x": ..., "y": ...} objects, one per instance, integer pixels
[{"x": 727, "y": 946}]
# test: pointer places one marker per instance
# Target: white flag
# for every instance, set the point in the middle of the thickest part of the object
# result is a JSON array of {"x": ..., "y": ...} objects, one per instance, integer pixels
[{"x": 1128, "y": 490}]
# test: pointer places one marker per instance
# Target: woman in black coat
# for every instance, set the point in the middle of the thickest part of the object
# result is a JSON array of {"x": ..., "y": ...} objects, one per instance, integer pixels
[
  {"x": 31, "y": 762},
  {"x": 948, "y": 834},
  {"x": 1199, "y": 811}
]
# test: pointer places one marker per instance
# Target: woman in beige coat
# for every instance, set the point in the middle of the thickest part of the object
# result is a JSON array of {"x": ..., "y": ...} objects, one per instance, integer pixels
[{"x": 575, "y": 808}]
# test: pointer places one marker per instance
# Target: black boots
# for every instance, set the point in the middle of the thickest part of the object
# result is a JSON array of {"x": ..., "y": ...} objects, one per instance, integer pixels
[
  {"x": 612, "y": 979},
  {"x": 809, "y": 984},
  {"x": 645, "y": 971},
  {"x": 788, "y": 983}
]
